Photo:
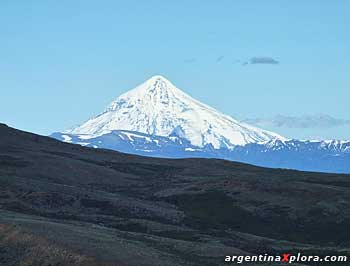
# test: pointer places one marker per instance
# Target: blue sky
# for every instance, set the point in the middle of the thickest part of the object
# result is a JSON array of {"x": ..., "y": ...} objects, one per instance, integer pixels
[{"x": 64, "y": 61}]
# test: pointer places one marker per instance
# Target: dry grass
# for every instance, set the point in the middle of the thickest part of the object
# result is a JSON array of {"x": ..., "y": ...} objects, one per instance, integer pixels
[{"x": 24, "y": 249}]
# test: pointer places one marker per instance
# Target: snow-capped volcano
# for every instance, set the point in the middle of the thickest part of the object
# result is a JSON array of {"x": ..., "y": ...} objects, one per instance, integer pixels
[{"x": 157, "y": 107}]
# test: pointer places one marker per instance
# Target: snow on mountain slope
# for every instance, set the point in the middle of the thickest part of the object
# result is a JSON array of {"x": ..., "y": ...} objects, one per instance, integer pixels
[
  {"x": 157, "y": 107},
  {"x": 320, "y": 156}
]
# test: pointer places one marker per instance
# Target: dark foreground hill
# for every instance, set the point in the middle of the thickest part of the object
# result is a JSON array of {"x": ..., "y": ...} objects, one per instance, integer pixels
[{"x": 63, "y": 204}]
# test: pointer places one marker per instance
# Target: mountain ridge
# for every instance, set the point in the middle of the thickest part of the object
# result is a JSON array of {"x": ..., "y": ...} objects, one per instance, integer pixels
[
  {"x": 159, "y": 120},
  {"x": 319, "y": 156},
  {"x": 158, "y": 107}
]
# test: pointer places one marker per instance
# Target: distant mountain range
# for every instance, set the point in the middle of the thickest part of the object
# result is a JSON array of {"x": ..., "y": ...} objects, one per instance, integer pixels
[{"x": 157, "y": 119}]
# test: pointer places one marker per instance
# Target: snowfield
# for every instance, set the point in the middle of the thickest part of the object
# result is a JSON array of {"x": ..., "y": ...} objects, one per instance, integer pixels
[{"x": 157, "y": 107}]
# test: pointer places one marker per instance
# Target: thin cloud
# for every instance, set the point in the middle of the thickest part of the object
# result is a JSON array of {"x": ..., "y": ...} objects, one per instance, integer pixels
[
  {"x": 263, "y": 60},
  {"x": 306, "y": 121},
  {"x": 219, "y": 58}
]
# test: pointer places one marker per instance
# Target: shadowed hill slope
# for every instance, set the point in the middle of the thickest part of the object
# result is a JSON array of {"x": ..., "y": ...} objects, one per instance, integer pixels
[{"x": 98, "y": 207}]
